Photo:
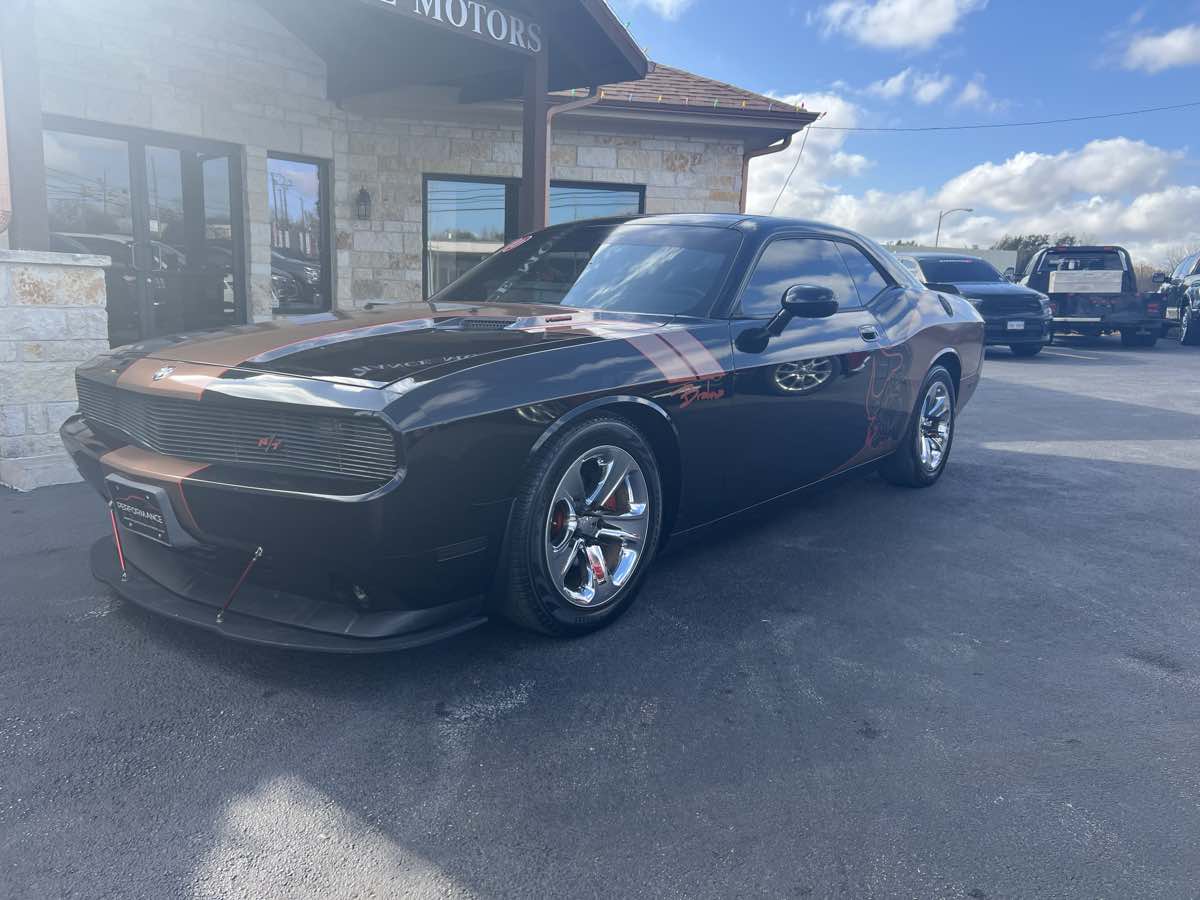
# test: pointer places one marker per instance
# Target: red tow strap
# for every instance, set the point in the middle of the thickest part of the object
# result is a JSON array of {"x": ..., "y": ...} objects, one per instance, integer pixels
[
  {"x": 237, "y": 587},
  {"x": 112, "y": 515}
]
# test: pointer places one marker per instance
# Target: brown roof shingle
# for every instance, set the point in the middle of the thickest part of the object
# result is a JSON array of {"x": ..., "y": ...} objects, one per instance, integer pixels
[{"x": 669, "y": 86}]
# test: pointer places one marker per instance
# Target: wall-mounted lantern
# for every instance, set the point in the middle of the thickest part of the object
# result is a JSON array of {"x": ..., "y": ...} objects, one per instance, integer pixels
[{"x": 362, "y": 206}]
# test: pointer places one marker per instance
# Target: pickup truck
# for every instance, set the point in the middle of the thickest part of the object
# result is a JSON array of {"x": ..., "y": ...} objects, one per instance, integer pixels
[
  {"x": 1180, "y": 294},
  {"x": 1093, "y": 291}
]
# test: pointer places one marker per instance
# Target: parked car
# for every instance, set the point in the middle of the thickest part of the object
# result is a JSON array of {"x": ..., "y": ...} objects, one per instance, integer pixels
[
  {"x": 1016, "y": 316},
  {"x": 1180, "y": 293},
  {"x": 1093, "y": 291},
  {"x": 524, "y": 442}
]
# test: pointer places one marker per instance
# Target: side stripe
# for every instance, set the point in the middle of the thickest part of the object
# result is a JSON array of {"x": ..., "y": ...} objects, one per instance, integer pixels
[
  {"x": 695, "y": 354},
  {"x": 669, "y": 364}
]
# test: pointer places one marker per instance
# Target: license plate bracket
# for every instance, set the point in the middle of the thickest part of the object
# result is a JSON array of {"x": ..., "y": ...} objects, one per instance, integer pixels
[{"x": 145, "y": 510}]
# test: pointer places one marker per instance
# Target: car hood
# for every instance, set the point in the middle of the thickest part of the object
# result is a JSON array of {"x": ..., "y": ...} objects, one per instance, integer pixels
[
  {"x": 378, "y": 347},
  {"x": 986, "y": 290}
]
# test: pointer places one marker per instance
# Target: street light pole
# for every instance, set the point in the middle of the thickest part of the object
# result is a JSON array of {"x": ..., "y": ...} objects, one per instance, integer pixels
[{"x": 937, "y": 241}]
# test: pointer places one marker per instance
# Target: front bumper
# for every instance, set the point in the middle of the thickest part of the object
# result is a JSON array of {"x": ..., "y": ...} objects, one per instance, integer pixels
[
  {"x": 263, "y": 615},
  {"x": 346, "y": 574},
  {"x": 1034, "y": 330}
]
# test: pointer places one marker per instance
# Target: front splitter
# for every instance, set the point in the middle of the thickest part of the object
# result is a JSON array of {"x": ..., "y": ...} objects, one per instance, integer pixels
[{"x": 142, "y": 591}]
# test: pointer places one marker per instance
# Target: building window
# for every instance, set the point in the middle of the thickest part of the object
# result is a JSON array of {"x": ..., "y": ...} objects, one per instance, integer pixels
[
  {"x": 301, "y": 269},
  {"x": 570, "y": 202},
  {"x": 166, "y": 208},
  {"x": 468, "y": 219}
]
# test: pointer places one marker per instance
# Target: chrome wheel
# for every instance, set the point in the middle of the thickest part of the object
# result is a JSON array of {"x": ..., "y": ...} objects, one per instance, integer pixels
[
  {"x": 596, "y": 526},
  {"x": 936, "y": 427},
  {"x": 1185, "y": 321},
  {"x": 801, "y": 377}
]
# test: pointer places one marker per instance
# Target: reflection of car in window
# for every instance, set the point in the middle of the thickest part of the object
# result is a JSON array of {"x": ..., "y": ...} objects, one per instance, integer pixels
[{"x": 305, "y": 272}]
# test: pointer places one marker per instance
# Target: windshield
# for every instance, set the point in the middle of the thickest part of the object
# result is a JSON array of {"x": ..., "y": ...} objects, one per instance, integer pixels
[
  {"x": 661, "y": 269},
  {"x": 958, "y": 269},
  {"x": 1068, "y": 261}
]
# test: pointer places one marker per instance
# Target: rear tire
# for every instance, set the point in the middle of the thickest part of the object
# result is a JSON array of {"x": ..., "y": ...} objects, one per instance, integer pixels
[
  {"x": 1025, "y": 350},
  {"x": 563, "y": 578},
  {"x": 915, "y": 463},
  {"x": 1189, "y": 328}
]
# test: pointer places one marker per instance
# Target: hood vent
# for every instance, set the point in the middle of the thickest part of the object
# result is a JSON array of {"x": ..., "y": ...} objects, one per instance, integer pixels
[{"x": 477, "y": 323}]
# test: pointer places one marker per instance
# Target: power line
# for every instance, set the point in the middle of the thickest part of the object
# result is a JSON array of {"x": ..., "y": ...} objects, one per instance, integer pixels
[
  {"x": 980, "y": 126},
  {"x": 795, "y": 166}
]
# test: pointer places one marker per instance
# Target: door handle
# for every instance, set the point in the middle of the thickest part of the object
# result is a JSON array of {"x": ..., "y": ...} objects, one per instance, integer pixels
[{"x": 869, "y": 333}]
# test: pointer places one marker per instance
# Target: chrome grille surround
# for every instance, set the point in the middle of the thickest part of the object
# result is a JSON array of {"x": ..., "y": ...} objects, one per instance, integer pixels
[{"x": 296, "y": 440}]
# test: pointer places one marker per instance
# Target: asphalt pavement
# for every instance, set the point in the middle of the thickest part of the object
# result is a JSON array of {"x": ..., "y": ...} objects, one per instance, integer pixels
[{"x": 987, "y": 689}]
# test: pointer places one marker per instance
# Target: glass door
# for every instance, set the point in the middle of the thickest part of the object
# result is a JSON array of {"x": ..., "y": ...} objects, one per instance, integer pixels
[
  {"x": 187, "y": 255},
  {"x": 166, "y": 210}
]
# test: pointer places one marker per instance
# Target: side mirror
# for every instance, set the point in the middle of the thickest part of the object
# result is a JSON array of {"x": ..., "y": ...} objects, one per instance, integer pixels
[
  {"x": 803, "y": 301},
  {"x": 1010, "y": 274},
  {"x": 1160, "y": 278},
  {"x": 807, "y": 301}
]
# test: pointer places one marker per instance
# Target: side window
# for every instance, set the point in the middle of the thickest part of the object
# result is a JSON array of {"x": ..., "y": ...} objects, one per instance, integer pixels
[
  {"x": 796, "y": 261},
  {"x": 868, "y": 279}
]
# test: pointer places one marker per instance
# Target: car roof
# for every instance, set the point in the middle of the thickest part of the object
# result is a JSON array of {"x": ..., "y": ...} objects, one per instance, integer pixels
[
  {"x": 937, "y": 254},
  {"x": 1085, "y": 248},
  {"x": 739, "y": 221}
]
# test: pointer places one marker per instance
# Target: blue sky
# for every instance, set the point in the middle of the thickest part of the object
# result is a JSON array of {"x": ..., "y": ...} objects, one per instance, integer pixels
[{"x": 949, "y": 62}]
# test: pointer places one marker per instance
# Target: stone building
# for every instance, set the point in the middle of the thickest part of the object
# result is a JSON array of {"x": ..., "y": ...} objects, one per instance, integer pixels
[{"x": 236, "y": 160}]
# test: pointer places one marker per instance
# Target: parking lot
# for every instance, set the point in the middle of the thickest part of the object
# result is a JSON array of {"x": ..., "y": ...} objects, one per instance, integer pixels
[{"x": 988, "y": 689}]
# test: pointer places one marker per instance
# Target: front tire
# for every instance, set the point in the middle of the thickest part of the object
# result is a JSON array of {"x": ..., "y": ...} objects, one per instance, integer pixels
[
  {"x": 1025, "y": 350},
  {"x": 584, "y": 529},
  {"x": 922, "y": 456}
]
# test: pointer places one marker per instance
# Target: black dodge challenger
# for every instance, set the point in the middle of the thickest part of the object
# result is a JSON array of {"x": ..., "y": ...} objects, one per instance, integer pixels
[{"x": 525, "y": 441}]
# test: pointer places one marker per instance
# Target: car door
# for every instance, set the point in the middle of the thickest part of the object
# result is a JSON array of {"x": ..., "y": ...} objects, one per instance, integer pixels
[{"x": 802, "y": 396}]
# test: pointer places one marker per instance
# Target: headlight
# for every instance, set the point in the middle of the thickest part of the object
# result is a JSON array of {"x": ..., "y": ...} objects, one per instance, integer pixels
[{"x": 310, "y": 274}]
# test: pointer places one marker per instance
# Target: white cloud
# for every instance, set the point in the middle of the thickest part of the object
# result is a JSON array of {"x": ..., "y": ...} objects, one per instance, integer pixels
[
  {"x": 976, "y": 96},
  {"x": 929, "y": 88},
  {"x": 923, "y": 87},
  {"x": 1155, "y": 52},
  {"x": 668, "y": 9},
  {"x": 895, "y": 24},
  {"x": 891, "y": 88},
  {"x": 1028, "y": 181},
  {"x": 1118, "y": 190}
]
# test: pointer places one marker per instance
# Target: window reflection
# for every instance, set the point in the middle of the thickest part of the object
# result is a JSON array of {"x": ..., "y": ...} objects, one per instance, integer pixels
[
  {"x": 465, "y": 222},
  {"x": 570, "y": 203},
  {"x": 788, "y": 262},
  {"x": 299, "y": 269}
]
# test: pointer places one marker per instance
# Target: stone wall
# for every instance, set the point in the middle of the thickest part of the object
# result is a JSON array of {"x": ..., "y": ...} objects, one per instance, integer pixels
[
  {"x": 227, "y": 71},
  {"x": 381, "y": 259},
  {"x": 52, "y": 318}
]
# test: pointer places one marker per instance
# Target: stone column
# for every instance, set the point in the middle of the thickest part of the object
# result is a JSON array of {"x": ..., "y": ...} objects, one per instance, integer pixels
[{"x": 52, "y": 317}]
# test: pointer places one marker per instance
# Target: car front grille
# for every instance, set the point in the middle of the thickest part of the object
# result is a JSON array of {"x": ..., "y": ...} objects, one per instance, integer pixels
[
  {"x": 347, "y": 446},
  {"x": 1009, "y": 306}
]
